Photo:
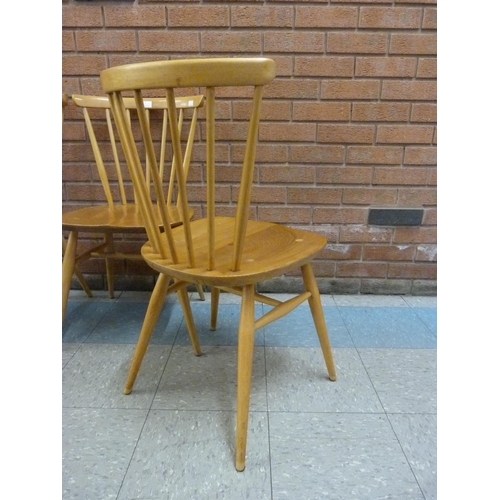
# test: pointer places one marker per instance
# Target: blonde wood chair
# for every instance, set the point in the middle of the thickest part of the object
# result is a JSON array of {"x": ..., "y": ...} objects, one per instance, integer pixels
[
  {"x": 122, "y": 215},
  {"x": 226, "y": 253}
]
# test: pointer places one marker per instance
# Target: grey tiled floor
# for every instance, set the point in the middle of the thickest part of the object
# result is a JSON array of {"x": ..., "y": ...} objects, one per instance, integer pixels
[{"x": 369, "y": 435}]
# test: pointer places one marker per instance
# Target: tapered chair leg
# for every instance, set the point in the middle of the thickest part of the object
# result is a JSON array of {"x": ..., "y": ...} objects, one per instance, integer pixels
[
  {"x": 68, "y": 267},
  {"x": 150, "y": 320},
  {"x": 246, "y": 335},
  {"x": 188, "y": 317},
  {"x": 319, "y": 318},
  {"x": 78, "y": 273},
  {"x": 110, "y": 274},
  {"x": 214, "y": 307},
  {"x": 201, "y": 293}
]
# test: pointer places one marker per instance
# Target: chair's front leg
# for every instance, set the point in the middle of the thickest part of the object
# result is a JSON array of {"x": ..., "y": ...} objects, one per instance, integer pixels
[
  {"x": 246, "y": 334},
  {"x": 319, "y": 318},
  {"x": 153, "y": 312},
  {"x": 214, "y": 307},
  {"x": 68, "y": 266},
  {"x": 110, "y": 272}
]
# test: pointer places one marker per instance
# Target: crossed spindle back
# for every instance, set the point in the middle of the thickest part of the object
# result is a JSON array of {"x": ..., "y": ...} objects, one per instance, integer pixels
[
  {"x": 88, "y": 103},
  {"x": 170, "y": 75}
]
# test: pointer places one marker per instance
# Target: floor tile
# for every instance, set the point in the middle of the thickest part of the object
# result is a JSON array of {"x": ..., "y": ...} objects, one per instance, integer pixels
[
  {"x": 297, "y": 329},
  {"x": 96, "y": 374},
  {"x": 97, "y": 447},
  {"x": 123, "y": 322},
  {"x": 208, "y": 382},
  {"x": 429, "y": 316},
  {"x": 369, "y": 301},
  {"x": 226, "y": 333},
  {"x": 326, "y": 300},
  {"x": 82, "y": 317},
  {"x": 418, "y": 437},
  {"x": 68, "y": 351},
  {"x": 387, "y": 327},
  {"x": 338, "y": 457},
  {"x": 405, "y": 379},
  {"x": 190, "y": 455},
  {"x": 297, "y": 380}
]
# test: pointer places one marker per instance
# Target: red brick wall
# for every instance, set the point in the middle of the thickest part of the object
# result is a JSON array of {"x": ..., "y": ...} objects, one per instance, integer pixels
[{"x": 349, "y": 123}]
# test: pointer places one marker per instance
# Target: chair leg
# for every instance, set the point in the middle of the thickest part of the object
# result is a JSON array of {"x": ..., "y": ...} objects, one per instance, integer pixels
[
  {"x": 201, "y": 293},
  {"x": 246, "y": 335},
  {"x": 214, "y": 307},
  {"x": 319, "y": 318},
  {"x": 188, "y": 316},
  {"x": 150, "y": 320},
  {"x": 78, "y": 273},
  {"x": 110, "y": 248},
  {"x": 68, "y": 267}
]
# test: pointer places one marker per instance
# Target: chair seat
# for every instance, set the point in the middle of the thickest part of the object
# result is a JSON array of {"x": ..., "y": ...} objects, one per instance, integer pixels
[
  {"x": 122, "y": 218},
  {"x": 270, "y": 250}
]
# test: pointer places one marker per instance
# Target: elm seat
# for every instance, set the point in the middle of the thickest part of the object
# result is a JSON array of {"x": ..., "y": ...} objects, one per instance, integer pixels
[
  {"x": 232, "y": 254},
  {"x": 122, "y": 215}
]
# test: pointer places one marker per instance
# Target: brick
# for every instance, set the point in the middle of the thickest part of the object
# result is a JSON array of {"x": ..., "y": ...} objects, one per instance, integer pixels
[
  {"x": 230, "y": 173},
  {"x": 389, "y": 17},
  {"x": 342, "y": 252},
  {"x": 323, "y": 66},
  {"x": 424, "y": 113},
  {"x": 322, "y": 268},
  {"x": 106, "y": 41},
  {"x": 432, "y": 179},
  {"x": 415, "y": 235},
  {"x": 388, "y": 252},
  {"x": 292, "y": 89},
  {"x": 286, "y": 174},
  {"x": 199, "y": 194},
  {"x": 426, "y": 253},
  {"x": 240, "y": 42},
  {"x": 380, "y": 112},
  {"x": 399, "y": 176},
  {"x": 430, "y": 217},
  {"x": 369, "y": 196},
  {"x": 284, "y": 215},
  {"x": 375, "y": 155},
  {"x": 427, "y": 68},
  {"x": 352, "y": 43},
  {"x": 404, "y": 134},
  {"x": 168, "y": 41},
  {"x": 90, "y": 85},
  {"x": 316, "y": 154},
  {"x": 409, "y": 197},
  {"x": 270, "y": 111},
  {"x": 294, "y": 42},
  {"x": 420, "y": 156},
  {"x": 321, "y": 111},
  {"x": 365, "y": 234},
  {"x": 81, "y": 16},
  {"x": 339, "y": 215},
  {"x": 386, "y": 66},
  {"x": 266, "y": 153},
  {"x": 264, "y": 194},
  {"x": 68, "y": 41},
  {"x": 134, "y": 16},
  {"x": 417, "y": 1},
  {"x": 343, "y": 175},
  {"x": 249, "y": 16},
  {"x": 325, "y": 17},
  {"x": 350, "y": 89},
  {"x": 180, "y": 16},
  {"x": 314, "y": 196},
  {"x": 403, "y": 43},
  {"x": 79, "y": 172},
  {"x": 295, "y": 132},
  {"x": 428, "y": 271},
  {"x": 362, "y": 269},
  {"x": 346, "y": 133},
  {"x": 429, "y": 21},
  {"x": 406, "y": 90},
  {"x": 83, "y": 64}
]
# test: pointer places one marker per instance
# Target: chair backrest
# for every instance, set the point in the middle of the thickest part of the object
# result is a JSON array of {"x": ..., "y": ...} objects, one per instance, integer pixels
[
  {"x": 168, "y": 76},
  {"x": 106, "y": 135}
]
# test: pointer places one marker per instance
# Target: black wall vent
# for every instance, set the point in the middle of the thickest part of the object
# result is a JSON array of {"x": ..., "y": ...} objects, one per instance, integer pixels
[{"x": 395, "y": 216}]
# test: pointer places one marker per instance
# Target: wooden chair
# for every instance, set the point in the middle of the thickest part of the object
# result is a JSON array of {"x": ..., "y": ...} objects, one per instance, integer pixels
[
  {"x": 225, "y": 253},
  {"x": 121, "y": 216}
]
